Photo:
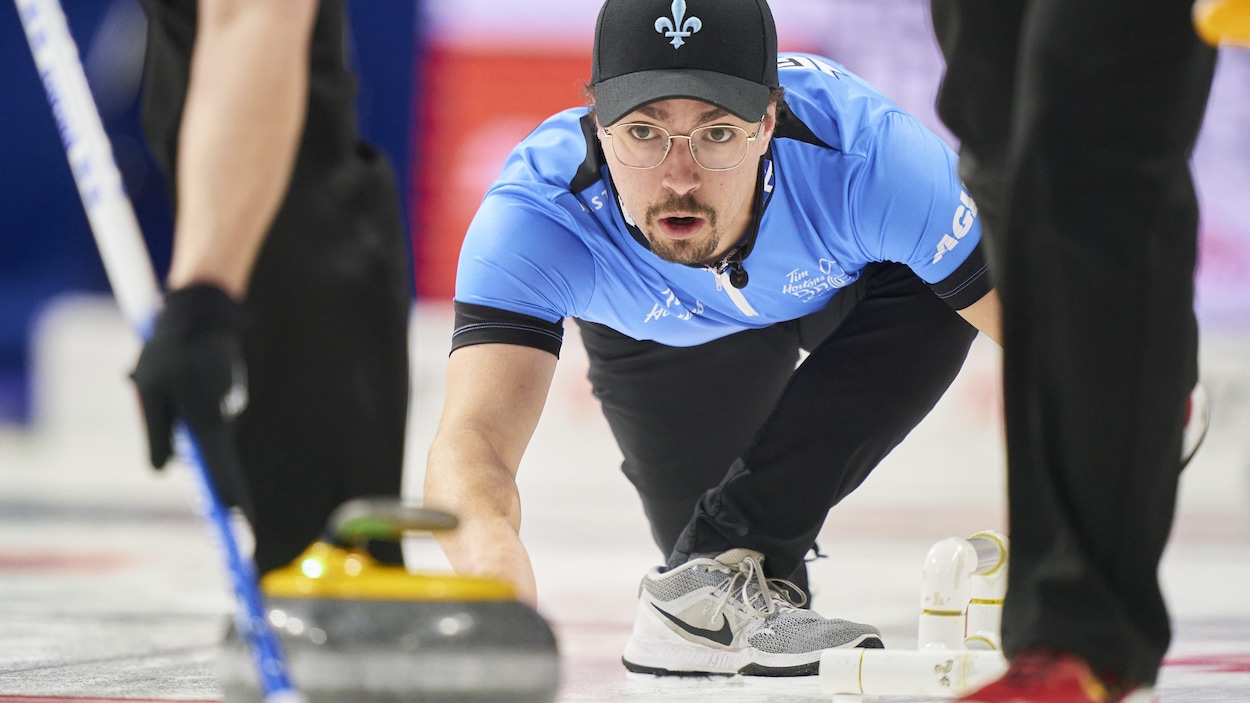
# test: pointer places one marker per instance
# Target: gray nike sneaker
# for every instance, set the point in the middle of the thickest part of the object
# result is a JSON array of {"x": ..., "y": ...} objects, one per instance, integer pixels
[{"x": 722, "y": 616}]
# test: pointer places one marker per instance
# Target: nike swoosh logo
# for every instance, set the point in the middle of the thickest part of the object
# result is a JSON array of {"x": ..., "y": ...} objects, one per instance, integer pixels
[{"x": 723, "y": 636}]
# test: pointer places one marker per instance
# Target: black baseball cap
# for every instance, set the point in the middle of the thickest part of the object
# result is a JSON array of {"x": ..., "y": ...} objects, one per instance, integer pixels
[{"x": 722, "y": 52}]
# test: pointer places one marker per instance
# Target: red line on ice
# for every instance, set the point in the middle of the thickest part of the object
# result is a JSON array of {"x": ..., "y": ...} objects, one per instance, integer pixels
[
  {"x": 62, "y": 561},
  {"x": 81, "y": 699},
  {"x": 1213, "y": 663}
]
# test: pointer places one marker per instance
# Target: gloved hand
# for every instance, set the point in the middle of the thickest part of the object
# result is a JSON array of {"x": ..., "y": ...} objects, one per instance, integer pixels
[{"x": 191, "y": 369}]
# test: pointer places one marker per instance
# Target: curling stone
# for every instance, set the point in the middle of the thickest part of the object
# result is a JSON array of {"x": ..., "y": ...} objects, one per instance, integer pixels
[{"x": 356, "y": 631}]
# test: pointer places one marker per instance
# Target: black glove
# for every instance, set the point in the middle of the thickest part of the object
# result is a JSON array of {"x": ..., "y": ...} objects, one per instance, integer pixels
[{"x": 192, "y": 369}]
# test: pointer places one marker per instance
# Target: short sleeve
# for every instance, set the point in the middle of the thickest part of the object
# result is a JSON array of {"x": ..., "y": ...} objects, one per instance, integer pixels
[
  {"x": 910, "y": 206},
  {"x": 524, "y": 257}
]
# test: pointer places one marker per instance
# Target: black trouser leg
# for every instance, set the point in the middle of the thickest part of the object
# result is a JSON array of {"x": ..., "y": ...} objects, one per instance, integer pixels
[
  {"x": 980, "y": 40},
  {"x": 681, "y": 415},
  {"x": 327, "y": 357},
  {"x": 1101, "y": 339},
  {"x": 1094, "y": 260},
  {"x": 858, "y": 394}
]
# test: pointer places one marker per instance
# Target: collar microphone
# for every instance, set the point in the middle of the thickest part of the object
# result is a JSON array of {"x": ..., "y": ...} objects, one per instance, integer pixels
[{"x": 737, "y": 275}]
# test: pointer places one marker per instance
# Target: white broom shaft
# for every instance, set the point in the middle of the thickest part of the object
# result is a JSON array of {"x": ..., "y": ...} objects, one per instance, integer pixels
[{"x": 100, "y": 186}]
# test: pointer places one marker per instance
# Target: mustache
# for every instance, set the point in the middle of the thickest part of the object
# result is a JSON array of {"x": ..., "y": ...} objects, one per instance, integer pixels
[{"x": 680, "y": 203}]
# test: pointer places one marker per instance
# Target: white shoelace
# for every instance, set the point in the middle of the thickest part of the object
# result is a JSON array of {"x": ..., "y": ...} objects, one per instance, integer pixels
[{"x": 774, "y": 592}]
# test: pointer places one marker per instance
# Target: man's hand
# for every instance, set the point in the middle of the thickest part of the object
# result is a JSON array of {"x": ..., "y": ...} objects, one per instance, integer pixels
[
  {"x": 490, "y": 548},
  {"x": 191, "y": 369}
]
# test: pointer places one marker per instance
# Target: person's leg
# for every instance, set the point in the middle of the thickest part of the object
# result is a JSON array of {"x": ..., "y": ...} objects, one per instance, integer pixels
[
  {"x": 327, "y": 357},
  {"x": 682, "y": 415},
  {"x": 980, "y": 42},
  {"x": 1100, "y": 339},
  {"x": 858, "y": 394},
  {"x": 327, "y": 353}
]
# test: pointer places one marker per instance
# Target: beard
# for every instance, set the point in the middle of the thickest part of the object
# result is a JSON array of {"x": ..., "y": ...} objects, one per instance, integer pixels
[{"x": 694, "y": 250}]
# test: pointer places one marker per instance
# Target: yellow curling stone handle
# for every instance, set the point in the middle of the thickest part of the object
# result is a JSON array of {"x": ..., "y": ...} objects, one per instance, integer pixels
[{"x": 327, "y": 571}]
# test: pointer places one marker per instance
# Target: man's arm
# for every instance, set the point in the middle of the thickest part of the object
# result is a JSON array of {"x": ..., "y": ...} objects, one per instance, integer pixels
[
  {"x": 986, "y": 315},
  {"x": 494, "y": 397},
  {"x": 241, "y": 127}
]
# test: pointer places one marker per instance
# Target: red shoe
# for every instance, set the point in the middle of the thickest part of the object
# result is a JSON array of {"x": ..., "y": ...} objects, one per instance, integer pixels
[{"x": 1050, "y": 676}]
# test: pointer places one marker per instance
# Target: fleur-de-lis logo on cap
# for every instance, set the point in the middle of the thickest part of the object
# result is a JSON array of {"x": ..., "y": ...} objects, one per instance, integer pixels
[{"x": 679, "y": 27}]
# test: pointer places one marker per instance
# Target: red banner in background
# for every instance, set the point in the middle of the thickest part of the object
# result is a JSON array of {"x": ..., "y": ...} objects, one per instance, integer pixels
[{"x": 479, "y": 102}]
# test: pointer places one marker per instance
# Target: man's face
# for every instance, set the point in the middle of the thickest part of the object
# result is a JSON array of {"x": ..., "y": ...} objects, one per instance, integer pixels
[{"x": 689, "y": 215}]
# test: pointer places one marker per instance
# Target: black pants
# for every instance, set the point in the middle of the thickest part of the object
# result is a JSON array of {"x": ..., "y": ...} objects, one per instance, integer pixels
[
  {"x": 730, "y": 446},
  {"x": 327, "y": 347},
  {"x": 1076, "y": 120}
]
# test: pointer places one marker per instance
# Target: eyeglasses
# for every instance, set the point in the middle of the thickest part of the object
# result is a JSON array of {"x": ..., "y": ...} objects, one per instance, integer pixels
[{"x": 718, "y": 147}]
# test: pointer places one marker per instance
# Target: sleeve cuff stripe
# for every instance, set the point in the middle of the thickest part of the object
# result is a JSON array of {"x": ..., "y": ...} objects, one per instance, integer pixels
[
  {"x": 482, "y": 326},
  {"x": 976, "y": 276}
]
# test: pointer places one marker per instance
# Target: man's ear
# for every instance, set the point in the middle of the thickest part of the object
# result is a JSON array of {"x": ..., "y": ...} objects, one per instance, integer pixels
[{"x": 769, "y": 126}]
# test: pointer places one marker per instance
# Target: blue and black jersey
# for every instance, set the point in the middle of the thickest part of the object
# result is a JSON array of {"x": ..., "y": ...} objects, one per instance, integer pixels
[{"x": 849, "y": 179}]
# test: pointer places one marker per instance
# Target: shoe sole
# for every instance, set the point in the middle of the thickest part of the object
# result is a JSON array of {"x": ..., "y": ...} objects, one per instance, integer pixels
[{"x": 753, "y": 669}]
